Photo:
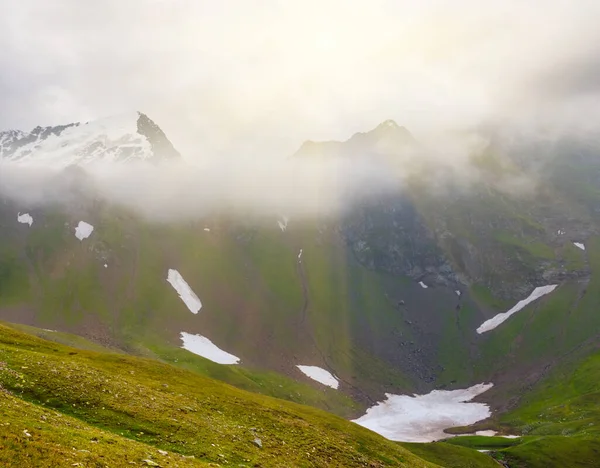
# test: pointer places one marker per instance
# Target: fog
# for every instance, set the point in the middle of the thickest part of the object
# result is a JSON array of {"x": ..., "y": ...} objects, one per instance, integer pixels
[
  {"x": 173, "y": 191},
  {"x": 256, "y": 78},
  {"x": 239, "y": 85}
]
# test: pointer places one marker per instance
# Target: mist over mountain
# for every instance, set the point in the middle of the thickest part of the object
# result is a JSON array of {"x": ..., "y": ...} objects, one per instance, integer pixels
[{"x": 333, "y": 234}]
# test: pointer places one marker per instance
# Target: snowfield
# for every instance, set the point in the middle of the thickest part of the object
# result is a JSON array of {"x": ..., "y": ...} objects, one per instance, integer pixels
[
  {"x": 113, "y": 139},
  {"x": 25, "y": 218},
  {"x": 320, "y": 375},
  {"x": 500, "y": 318},
  {"x": 202, "y": 346},
  {"x": 83, "y": 230},
  {"x": 423, "y": 418},
  {"x": 186, "y": 294}
]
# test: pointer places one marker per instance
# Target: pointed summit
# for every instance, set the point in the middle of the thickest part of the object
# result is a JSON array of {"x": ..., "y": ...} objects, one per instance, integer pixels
[
  {"x": 127, "y": 137},
  {"x": 387, "y": 139}
]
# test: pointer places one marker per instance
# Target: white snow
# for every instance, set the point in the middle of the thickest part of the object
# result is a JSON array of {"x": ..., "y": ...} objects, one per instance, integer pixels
[
  {"x": 105, "y": 265},
  {"x": 185, "y": 292},
  {"x": 202, "y": 346},
  {"x": 423, "y": 418},
  {"x": 579, "y": 245},
  {"x": 25, "y": 218},
  {"x": 510, "y": 436},
  {"x": 112, "y": 139},
  {"x": 457, "y": 293},
  {"x": 561, "y": 232},
  {"x": 423, "y": 285},
  {"x": 489, "y": 433},
  {"x": 83, "y": 230},
  {"x": 500, "y": 318},
  {"x": 283, "y": 223},
  {"x": 320, "y": 375},
  {"x": 300, "y": 255},
  {"x": 207, "y": 229}
]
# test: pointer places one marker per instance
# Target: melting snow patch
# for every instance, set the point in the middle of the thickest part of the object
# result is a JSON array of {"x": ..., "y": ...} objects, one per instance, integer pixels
[
  {"x": 579, "y": 245},
  {"x": 283, "y": 223},
  {"x": 83, "y": 230},
  {"x": 202, "y": 346},
  {"x": 185, "y": 292},
  {"x": 423, "y": 418},
  {"x": 25, "y": 218},
  {"x": 320, "y": 375},
  {"x": 500, "y": 318},
  {"x": 423, "y": 285}
]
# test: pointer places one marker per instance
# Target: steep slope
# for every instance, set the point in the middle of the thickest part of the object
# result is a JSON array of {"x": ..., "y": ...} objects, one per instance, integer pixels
[
  {"x": 114, "y": 139},
  {"x": 386, "y": 299},
  {"x": 143, "y": 410}
]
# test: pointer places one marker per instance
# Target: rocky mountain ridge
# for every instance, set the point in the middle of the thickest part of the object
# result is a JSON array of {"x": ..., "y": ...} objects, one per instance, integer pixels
[{"x": 115, "y": 139}]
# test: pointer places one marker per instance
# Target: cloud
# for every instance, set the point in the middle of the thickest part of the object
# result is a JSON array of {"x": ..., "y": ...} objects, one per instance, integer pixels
[
  {"x": 175, "y": 190},
  {"x": 241, "y": 78}
]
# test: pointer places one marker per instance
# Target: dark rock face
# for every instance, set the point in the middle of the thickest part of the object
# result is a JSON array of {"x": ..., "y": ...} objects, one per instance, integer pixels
[
  {"x": 388, "y": 234},
  {"x": 505, "y": 242},
  {"x": 161, "y": 146}
]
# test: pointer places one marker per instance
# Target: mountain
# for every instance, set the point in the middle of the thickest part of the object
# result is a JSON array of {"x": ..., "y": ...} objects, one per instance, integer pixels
[
  {"x": 387, "y": 300},
  {"x": 388, "y": 138},
  {"x": 116, "y": 139}
]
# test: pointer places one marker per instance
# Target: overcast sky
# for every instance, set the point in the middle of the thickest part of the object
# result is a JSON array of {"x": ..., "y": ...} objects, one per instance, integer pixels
[{"x": 259, "y": 77}]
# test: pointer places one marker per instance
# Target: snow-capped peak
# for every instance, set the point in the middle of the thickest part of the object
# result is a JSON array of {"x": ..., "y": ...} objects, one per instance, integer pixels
[{"x": 127, "y": 137}]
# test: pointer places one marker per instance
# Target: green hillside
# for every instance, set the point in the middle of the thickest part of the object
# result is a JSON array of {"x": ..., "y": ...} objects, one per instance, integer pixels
[{"x": 62, "y": 405}]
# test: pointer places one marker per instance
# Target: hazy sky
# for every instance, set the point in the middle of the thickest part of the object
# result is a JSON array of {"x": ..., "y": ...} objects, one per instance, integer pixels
[{"x": 259, "y": 77}]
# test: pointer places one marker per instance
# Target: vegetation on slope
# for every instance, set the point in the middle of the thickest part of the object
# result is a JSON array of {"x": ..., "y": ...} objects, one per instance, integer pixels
[{"x": 170, "y": 409}]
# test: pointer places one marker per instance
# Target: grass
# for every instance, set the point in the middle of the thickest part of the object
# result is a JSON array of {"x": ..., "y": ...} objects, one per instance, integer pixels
[
  {"x": 527, "y": 245},
  {"x": 150, "y": 406},
  {"x": 451, "y": 456}
]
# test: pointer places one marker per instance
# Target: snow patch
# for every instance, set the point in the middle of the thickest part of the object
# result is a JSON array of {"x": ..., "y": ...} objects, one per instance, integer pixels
[
  {"x": 423, "y": 418},
  {"x": 185, "y": 292},
  {"x": 300, "y": 255},
  {"x": 458, "y": 293},
  {"x": 83, "y": 230},
  {"x": 489, "y": 433},
  {"x": 25, "y": 218},
  {"x": 579, "y": 245},
  {"x": 423, "y": 285},
  {"x": 202, "y": 346},
  {"x": 105, "y": 265},
  {"x": 207, "y": 229},
  {"x": 320, "y": 375},
  {"x": 283, "y": 223},
  {"x": 561, "y": 232},
  {"x": 500, "y": 318}
]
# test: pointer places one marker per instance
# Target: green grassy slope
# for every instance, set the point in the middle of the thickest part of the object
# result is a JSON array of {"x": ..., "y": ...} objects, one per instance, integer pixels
[
  {"x": 257, "y": 302},
  {"x": 150, "y": 406},
  {"x": 451, "y": 456}
]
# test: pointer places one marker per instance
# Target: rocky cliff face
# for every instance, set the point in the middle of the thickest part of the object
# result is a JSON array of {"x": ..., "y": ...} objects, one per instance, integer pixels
[{"x": 513, "y": 229}]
